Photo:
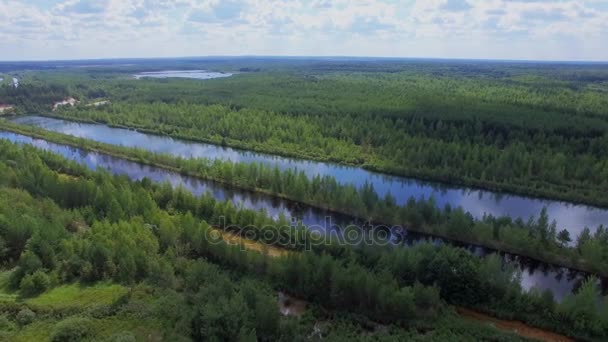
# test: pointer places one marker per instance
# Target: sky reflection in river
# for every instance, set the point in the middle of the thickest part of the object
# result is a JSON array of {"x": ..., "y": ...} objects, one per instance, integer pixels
[{"x": 477, "y": 202}]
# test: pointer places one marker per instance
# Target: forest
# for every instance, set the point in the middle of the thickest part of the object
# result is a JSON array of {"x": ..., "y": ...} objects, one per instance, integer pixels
[
  {"x": 530, "y": 129},
  {"x": 90, "y": 228},
  {"x": 34, "y": 97}
]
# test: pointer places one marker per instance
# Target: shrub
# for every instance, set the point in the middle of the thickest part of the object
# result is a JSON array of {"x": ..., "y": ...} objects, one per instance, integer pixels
[
  {"x": 72, "y": 329},
  {"x": 34, "y": 284},
  {"x": 25, "y": 317}
]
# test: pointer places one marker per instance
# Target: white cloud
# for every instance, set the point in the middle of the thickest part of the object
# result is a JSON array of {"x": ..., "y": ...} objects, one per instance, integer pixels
[{"x": 435, "y": 28}]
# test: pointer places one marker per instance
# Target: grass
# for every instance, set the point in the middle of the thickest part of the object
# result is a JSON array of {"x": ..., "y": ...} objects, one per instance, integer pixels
[
  {"x": 143, "y": 330},
  {"x": 76, "y": 295},
  {"x": 104, "y": 329},
  {"x": 36, "y": 331},
  {"x": 65, "y": 296},
  {"x": 81, "y": 297}
]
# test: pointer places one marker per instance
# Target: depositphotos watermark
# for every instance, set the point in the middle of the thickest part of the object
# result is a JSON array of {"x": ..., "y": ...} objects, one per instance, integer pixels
[{"x": 307, "y": 237}]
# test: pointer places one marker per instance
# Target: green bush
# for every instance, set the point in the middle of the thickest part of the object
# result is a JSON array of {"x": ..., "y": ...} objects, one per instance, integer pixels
[
  {"x": 34, "y": 284},
  {"x": 25, "y": 317},
  {"x": 73, "y": 329}
]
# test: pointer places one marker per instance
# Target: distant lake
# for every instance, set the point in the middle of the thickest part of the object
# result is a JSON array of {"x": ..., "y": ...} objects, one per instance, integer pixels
[{"x": 196, "y": 74}]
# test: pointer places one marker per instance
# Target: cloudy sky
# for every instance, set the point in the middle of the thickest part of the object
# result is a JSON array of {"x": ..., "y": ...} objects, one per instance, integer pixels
[{"x": 494, "y": 29}]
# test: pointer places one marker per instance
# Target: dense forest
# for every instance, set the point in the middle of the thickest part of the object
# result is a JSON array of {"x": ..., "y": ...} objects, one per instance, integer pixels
[
  {"x": 525, "y": 128},
  {"x": 34, "y": 97},
  {"x": 538, "y": 239},
  {"x": 90, "y": 227}
]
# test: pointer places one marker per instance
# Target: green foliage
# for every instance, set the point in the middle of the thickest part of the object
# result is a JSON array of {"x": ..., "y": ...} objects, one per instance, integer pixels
[
  {"x": 25, "y": 317},
  {"x": 564, "y": 237},
  {"x": 73, "y": 329},
  {"x": 34, "y": 284},
  {"x": 581, "y": 308},
  {"x": 32, "y": 96},
  {"x": 456, "y": 272},
  {"x": 393, "y": 286},
  {"x": 6, "y": 324},
  {"x": 70, "y": 296}
]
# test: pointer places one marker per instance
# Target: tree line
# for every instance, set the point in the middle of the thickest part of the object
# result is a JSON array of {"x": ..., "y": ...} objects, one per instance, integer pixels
[{"x": 32, "y": 97}]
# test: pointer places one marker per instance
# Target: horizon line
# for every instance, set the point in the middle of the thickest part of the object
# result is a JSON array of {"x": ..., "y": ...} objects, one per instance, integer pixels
[{"x": 522, "y": 60}]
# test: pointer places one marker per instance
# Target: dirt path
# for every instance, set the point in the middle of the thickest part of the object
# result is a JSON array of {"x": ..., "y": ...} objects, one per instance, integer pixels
[
  {"x": 517, "y": 327},
  {"x": 291, "y": 306},
  {"x": 235, "y": 239}
]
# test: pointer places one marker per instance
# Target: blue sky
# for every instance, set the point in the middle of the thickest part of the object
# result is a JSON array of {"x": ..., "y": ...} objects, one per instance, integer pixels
[{"x": 486, "y": 29}]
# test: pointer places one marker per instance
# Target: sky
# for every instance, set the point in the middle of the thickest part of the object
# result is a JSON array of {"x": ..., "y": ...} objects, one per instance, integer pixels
[{"x": 478, "y": 29}]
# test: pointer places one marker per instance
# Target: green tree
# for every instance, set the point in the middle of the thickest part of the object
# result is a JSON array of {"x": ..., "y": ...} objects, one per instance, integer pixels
[
  {"x": 25, "y": 317},
  {"x": 73, "y": 329},
  {"x": 564, "y": 237},
  {"x": 34, "y": 284}
]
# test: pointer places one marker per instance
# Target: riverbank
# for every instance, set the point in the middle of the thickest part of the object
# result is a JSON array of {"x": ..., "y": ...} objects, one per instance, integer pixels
[
  {"x": 519, "y": 328},
  {"x": 541, "y": 189},
  {"x": 140, "y": 156}
]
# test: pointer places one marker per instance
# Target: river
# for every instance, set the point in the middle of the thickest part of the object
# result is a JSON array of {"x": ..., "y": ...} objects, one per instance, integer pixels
[
  {"x": 572, "y": 217},
  {"x": 559, "y": 280}
]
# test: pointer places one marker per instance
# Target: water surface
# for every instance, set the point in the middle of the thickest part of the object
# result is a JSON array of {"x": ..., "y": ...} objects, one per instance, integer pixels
[
  {"x": 568, "y": 216},
  {"x": 196, "y": 74}
]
